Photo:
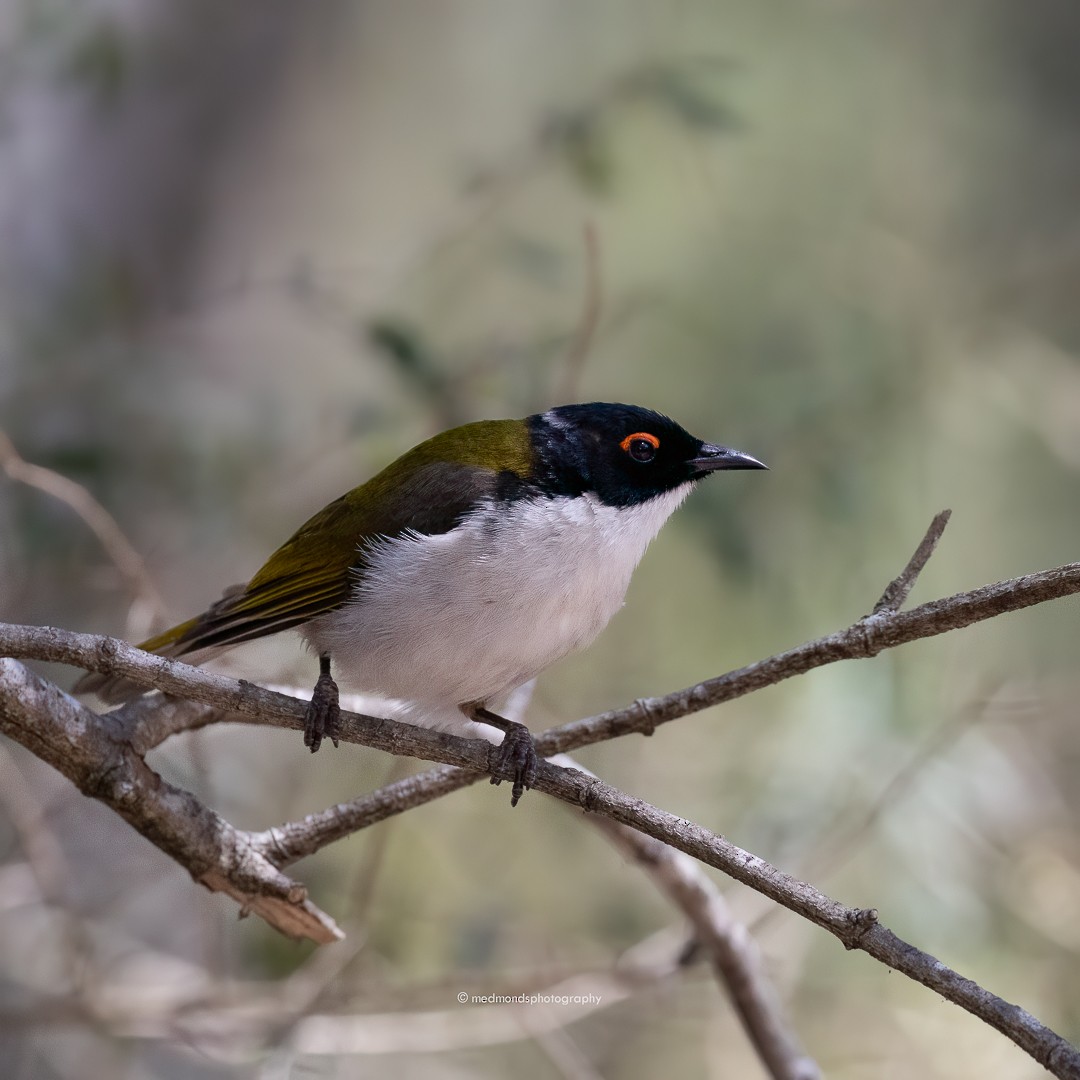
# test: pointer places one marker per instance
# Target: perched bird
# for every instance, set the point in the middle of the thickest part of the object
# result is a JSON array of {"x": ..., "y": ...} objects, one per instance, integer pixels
[{"x": 466, "y": 567}]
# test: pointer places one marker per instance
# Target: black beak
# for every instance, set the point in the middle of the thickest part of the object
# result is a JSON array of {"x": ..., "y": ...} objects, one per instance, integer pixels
[{"x": 711, "y": 458}]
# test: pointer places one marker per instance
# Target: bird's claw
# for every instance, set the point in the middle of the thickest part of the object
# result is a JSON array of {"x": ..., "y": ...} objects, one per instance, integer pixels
[
  {"x": 323, "y": 716},
  {"x": 517, "y": 754}
]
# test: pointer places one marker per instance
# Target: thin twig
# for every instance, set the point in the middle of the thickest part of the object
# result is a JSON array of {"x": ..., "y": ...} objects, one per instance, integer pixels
[
  {"x": 147, "y": 721},
  {"x": 863, "y": 639},
  {"x": 295, "y": 840},
  {"x": 897, "y": 591},
  {"x": 119, "y": 549}
]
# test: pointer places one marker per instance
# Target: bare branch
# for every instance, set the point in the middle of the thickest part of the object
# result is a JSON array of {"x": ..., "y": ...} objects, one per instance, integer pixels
[
  {"x": 148, "y": 721},
  {"x": 897, "y": 591},
  {"x": 865, "y": 638},
  {"x": 80, "y": 744},
  {"x": 26, "y": 704},
  {"x": 288, "y": 843},
  {"x": 733, "y": 952},
  {"x": 855, "y": 928}
]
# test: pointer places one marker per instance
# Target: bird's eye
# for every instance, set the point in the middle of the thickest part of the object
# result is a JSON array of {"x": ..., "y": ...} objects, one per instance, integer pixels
[{"x": 641, "y": 446}]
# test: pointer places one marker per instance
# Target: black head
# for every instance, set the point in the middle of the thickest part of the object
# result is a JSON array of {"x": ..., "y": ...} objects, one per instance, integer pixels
[{"x": 623, "y": 453}]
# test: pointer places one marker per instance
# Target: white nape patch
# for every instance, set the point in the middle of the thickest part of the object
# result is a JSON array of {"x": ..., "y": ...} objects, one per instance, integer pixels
[{"x": 471, "y": 614}]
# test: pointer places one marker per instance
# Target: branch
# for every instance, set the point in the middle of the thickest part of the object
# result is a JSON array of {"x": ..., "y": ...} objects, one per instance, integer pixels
[
  {"x": 298, "y": 839},
  {"x": 733, "y": 952},
  {"x": 20, "y": 711},
  {"x": 26, "y": 702},
  {"x": 730, "y": 947},
  {"x": 855, "y": 928},
  {"x": 295, "y": 840},
  {"x": 84, "y": 748},
  {"x": 865, "y": 638}
]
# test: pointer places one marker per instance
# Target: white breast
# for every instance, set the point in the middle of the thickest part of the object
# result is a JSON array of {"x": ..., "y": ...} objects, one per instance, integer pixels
[{"x": 470, "y": 614}]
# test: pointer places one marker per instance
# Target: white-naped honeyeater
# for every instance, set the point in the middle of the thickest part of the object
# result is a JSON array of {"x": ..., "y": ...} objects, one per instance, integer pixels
[{"x": 464, "y": 568}]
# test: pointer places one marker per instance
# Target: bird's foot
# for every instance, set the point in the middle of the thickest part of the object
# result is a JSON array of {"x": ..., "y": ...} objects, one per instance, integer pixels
[
  {"x": 323, "y": 716},
  {"x": 516, "y": 754}
]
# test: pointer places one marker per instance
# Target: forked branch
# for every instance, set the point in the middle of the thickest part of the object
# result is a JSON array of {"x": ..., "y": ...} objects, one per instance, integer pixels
[{"x": 108, "y": 764}]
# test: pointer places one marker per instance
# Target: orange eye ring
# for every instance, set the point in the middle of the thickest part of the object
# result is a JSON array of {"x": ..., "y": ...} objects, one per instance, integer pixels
[
  {"x": 641, "y": 446},
  {"x": 652, "y": 440}
]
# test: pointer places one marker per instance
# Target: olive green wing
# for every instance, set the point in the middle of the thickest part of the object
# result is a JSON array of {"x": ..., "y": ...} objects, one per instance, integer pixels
[
  {"x": 427, "y": 491},
  {"x": 317, "y": 569}
]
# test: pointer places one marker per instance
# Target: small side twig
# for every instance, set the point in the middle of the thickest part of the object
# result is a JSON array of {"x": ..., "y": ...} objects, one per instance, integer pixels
[
  {"x": 123, "y": 555},
  {"x": 897, "y": 591}
]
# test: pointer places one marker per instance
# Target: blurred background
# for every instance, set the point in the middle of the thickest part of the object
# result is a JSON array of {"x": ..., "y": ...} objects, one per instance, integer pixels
[{"x": 249, "y": 253}]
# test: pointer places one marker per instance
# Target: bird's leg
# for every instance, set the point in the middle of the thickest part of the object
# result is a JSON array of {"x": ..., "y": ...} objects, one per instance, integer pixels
[
  {"x": 323, "y": 716},
  {"x": 516, "y": 751}
]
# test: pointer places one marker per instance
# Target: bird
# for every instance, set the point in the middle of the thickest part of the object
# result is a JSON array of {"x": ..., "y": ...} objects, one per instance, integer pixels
[{"x": 464, "y": 569}]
